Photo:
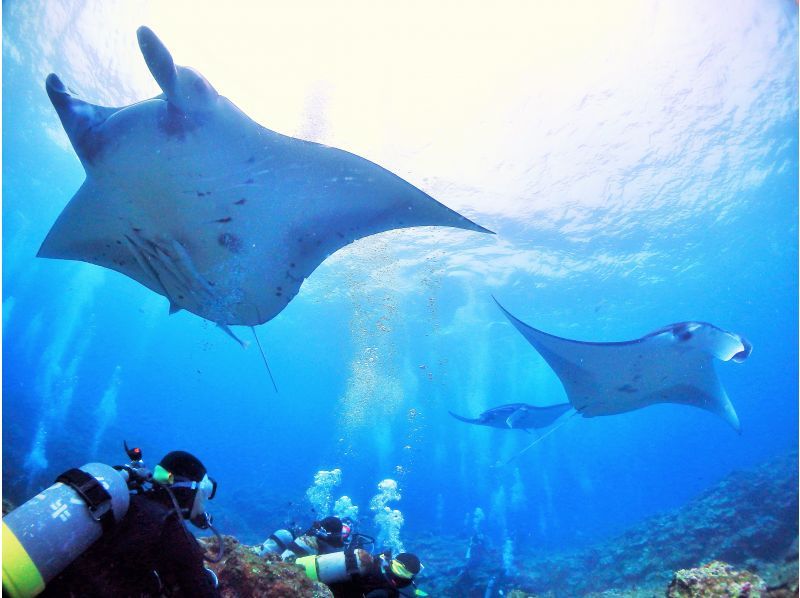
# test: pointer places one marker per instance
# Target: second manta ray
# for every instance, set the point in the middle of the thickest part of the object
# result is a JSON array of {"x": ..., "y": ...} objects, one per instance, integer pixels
[
  {"x": 518, "y": 416},
  {"x": 187, "y": 195},
  {"x": 673, "y": 364}
]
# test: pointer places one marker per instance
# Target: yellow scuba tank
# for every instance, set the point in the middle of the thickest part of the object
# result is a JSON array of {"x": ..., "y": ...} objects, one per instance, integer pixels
[
  {"x": 44, "y": 535},
  {"x": 337, "y": 566}
]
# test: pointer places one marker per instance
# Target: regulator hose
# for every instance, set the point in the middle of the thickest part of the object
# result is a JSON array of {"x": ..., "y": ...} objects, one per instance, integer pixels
[{"x": 207, "y": 523}]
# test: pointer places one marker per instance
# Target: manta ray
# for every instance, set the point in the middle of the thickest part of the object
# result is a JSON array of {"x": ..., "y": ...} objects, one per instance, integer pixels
[
  {"x": 673, "y": 364},
  {"x": 187, "y": 195},
  {"x": 517, "y": 416}
]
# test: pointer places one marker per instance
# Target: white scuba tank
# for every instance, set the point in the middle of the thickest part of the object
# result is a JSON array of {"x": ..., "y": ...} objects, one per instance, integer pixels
[
  {"x": 336, "y": 567},
  {"x": 277, "y": 543},
  {"x": 47, "y": 533},
  {"x": 300, "y": 546}
]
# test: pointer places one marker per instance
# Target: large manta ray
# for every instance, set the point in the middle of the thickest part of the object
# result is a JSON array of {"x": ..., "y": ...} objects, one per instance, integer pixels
[
  {"x": 673, "y": 364},
  {"x": 517, "y": 416},
  {"x": 187, "y": 195}
]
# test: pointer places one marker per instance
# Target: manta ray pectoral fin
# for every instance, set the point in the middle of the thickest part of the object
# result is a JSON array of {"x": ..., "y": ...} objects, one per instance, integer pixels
[
  {"x": 730, "y": 416},
  {"x": 719, "y": 404},
  {"x": 80, "y": 119}
]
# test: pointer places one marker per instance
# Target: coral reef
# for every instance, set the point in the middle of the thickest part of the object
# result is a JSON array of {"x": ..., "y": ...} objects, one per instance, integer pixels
[
  {"x": 716, "y": 579},
  {"x": 738, "y": 539},
  {"x": 241, "y": 572},
  {"x": 749, "y": 519}
]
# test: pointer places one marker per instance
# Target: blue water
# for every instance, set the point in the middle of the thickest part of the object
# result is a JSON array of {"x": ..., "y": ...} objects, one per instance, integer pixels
[{"x": 639, "y": 168}]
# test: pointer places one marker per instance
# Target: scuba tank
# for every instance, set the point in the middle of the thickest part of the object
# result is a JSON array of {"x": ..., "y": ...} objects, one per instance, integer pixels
[
  {"x": 47, "y": 533},
  {"x": 300, "y": 546},
  {"x": 337, "y": 566},
  {"x": 276, "y": 543}
]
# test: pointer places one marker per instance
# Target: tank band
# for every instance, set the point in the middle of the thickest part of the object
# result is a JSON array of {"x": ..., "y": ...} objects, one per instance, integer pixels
[
  {"x": 350, "y": 562},
  {"x": 21, "y": 578},
  {"x": 298, "y": 549},
  {"x": 278, "y": 542},
  {"x": 93, "y": 494}
]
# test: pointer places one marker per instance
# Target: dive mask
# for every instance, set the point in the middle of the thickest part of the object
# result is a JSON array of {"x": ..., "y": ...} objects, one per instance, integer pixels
[{"x": 207, "y": 486}]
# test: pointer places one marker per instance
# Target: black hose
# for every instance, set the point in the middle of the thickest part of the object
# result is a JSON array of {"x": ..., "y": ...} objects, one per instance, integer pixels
[
  {"x": 221, "y": 551},
  {"x": 178, "y": 510}
]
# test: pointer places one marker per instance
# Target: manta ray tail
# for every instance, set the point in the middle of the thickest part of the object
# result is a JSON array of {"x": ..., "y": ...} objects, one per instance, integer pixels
[
  {"x": 264, "y": 357},
  {"x": 535, "y": 442}
]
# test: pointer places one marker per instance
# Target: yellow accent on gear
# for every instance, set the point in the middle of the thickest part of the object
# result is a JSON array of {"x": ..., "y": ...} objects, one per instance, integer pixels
[
  {"x": 162, "y": 476},
  {"x": 309, "y": 564},
  {"x": 400, "y": 570},
  {"x": 21, "y": 578}
]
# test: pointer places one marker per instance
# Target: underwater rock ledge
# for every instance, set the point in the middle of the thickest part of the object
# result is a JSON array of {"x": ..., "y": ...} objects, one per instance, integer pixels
[{"x": 243, "y": 573}]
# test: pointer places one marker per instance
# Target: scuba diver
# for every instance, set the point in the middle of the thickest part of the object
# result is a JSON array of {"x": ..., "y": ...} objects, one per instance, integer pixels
[
  {"x": 354, "y": 573},
  {"x": 476, "y": 556},
  {"x": 146, "y": 551},
  {"x": 331, "y": 533},
  {"x": 323, "y": 537}
]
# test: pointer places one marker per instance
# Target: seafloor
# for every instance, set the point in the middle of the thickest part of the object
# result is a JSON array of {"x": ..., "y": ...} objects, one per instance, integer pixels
[
  {"x": 748, "y": 520},
  {"x": 737, "y": 539}
]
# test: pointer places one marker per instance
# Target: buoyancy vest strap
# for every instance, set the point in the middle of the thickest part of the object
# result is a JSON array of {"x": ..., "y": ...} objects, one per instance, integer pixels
[{"x": 94, "y": 495}]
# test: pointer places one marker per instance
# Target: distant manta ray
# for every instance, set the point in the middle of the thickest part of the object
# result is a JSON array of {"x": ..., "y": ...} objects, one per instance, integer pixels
[
  {"x": 517, "y": 416},
  {"x": 187, "y": 195},
  {"x": 521, "y": 416},
  {"x": 673, "y": 364}
]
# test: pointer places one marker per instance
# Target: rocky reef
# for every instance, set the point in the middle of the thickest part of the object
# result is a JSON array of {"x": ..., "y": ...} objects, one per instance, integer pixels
[
  {"x": 738, "y": 539},
  {"x": 716, "y": 579},
  {"x": 749, "y": 521},
  {"x": 242, "y": 573}
]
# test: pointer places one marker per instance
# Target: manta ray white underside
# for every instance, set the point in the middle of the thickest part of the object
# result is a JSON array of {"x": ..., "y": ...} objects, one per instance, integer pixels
[{"x": 187, "y": 195}]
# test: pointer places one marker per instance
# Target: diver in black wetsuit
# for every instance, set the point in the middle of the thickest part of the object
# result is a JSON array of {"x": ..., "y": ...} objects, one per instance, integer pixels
[
  {"x": 387, "y": 578},
  {"x": 150, "y": 552}
]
